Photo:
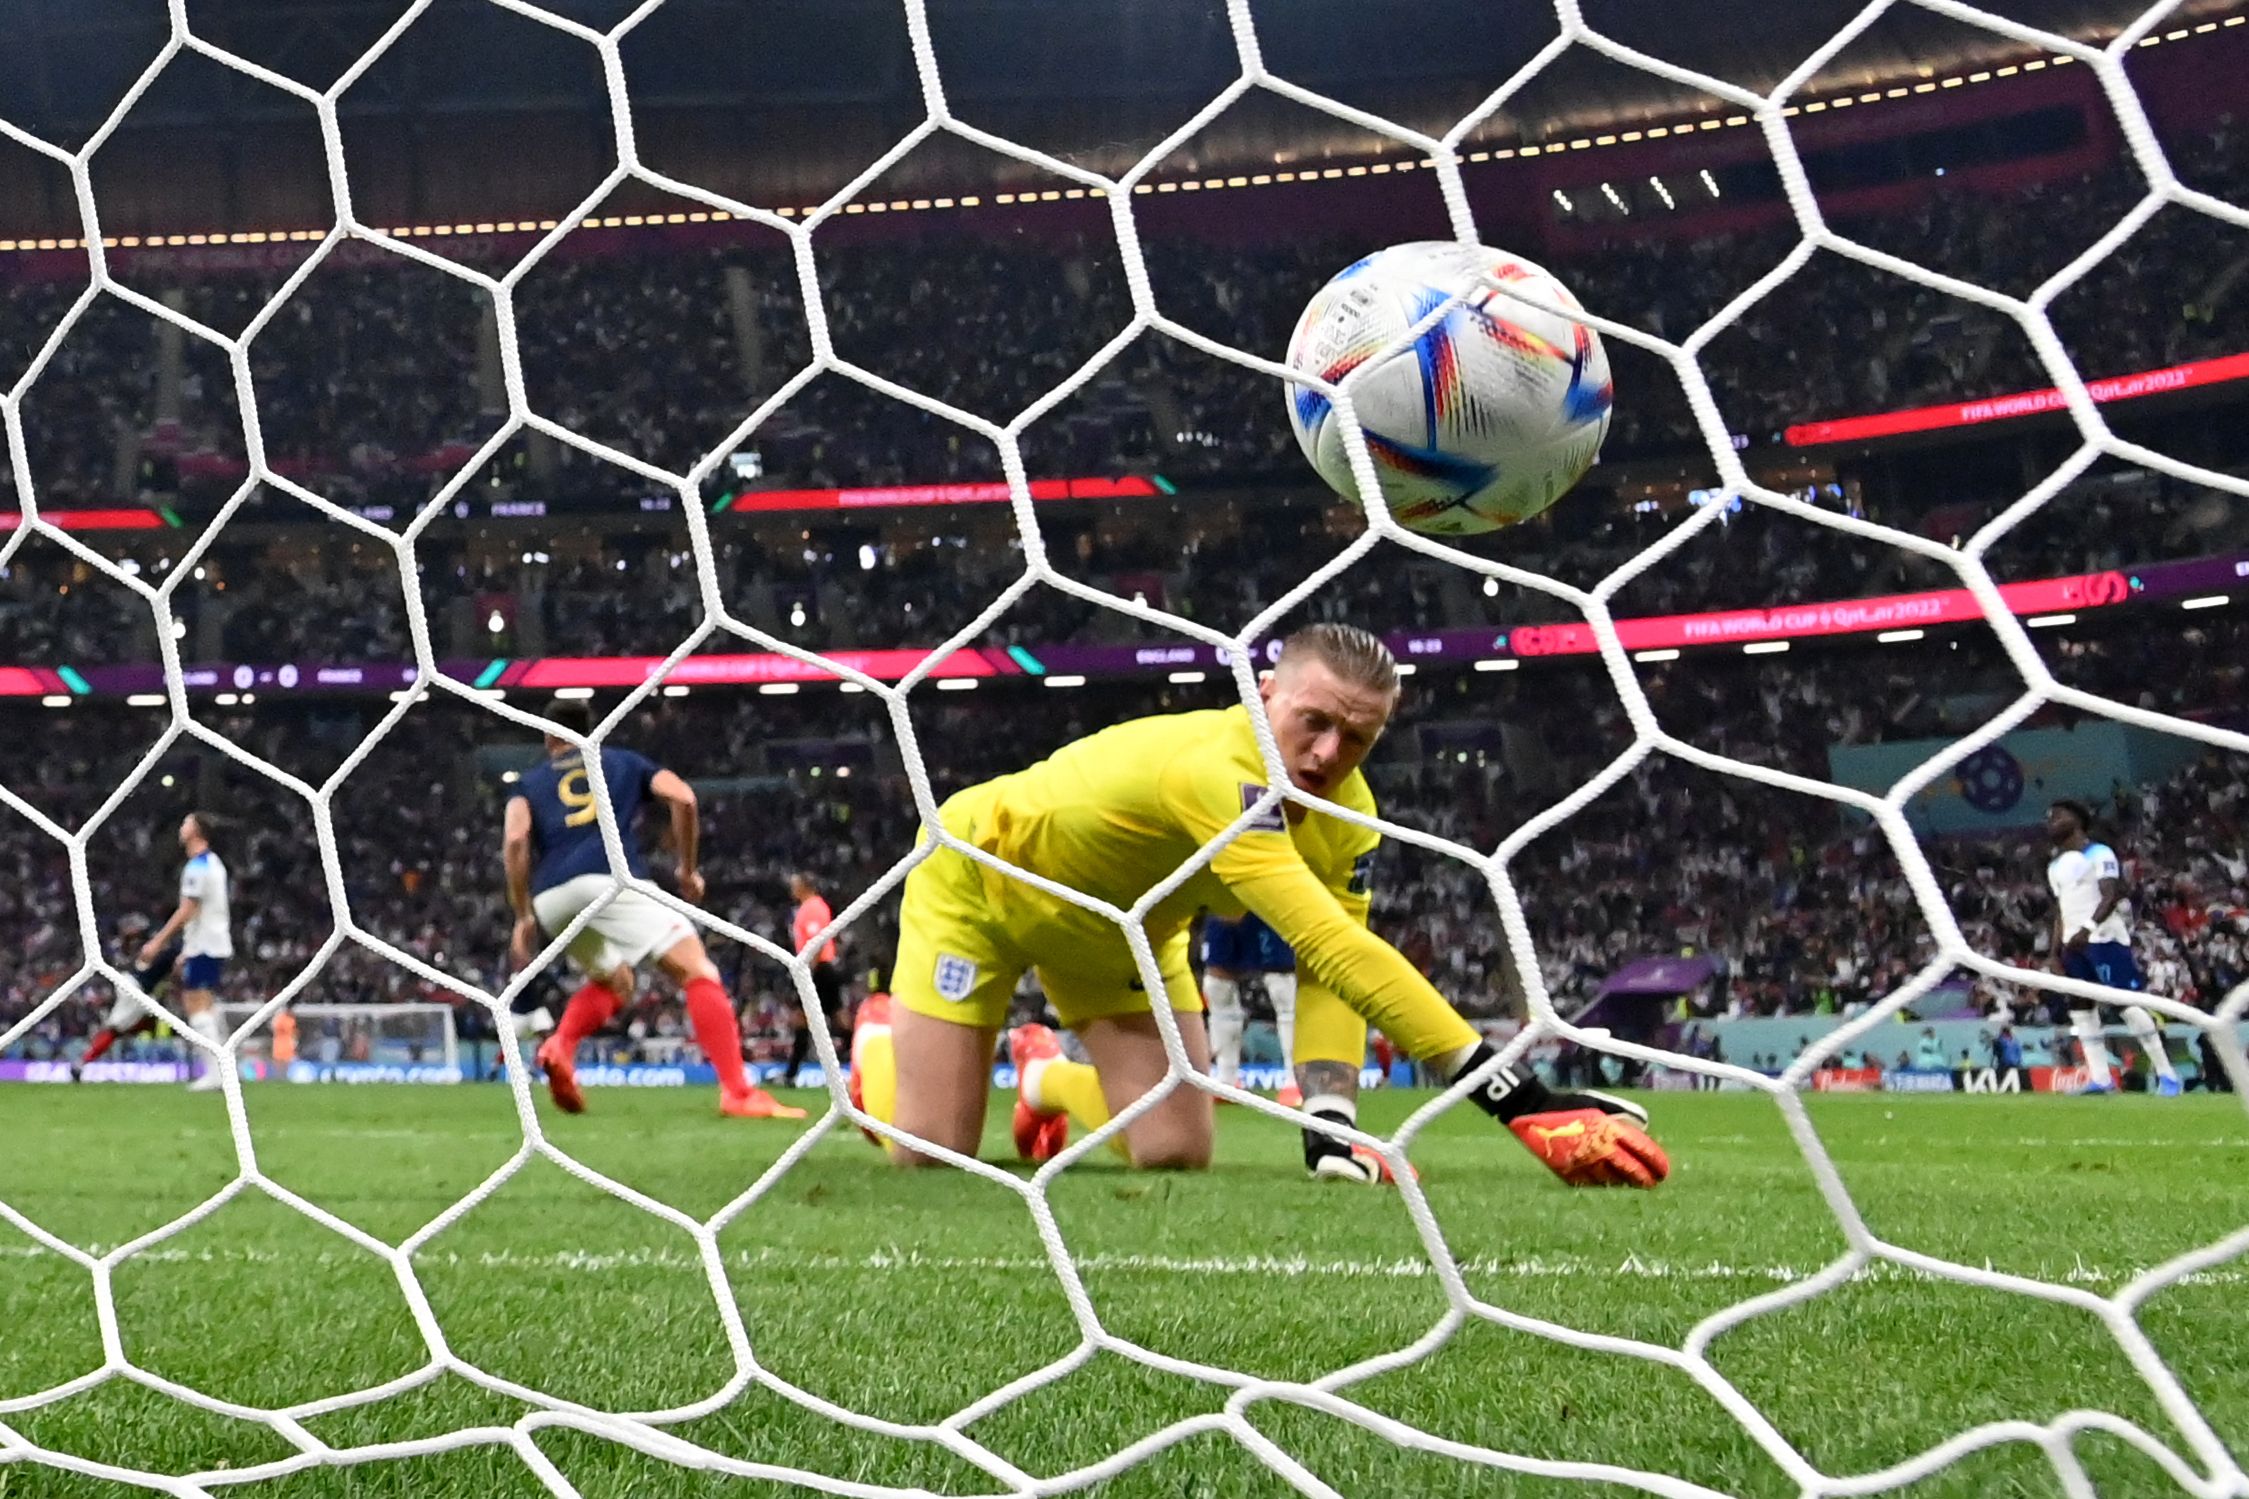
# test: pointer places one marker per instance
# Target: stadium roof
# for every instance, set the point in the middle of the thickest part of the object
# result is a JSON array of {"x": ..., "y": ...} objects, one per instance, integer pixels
[{"x": 795, "y": 94}]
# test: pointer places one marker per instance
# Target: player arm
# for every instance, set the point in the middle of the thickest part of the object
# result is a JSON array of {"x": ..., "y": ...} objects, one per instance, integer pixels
[
  {"x": 679, "y": 798},
  {"x": 1336, "y": 953},
  {"x": 2112, "y": 896},
  {"x": 515, "y": 855},
  {"x": 186, "y": 912}
]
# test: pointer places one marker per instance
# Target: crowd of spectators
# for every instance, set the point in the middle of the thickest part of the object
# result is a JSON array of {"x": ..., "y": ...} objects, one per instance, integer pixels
[
  {"x": 330, "y": 595},
  {"x": 380, "y": 375},
  {"x": 1805, "y": 906}
]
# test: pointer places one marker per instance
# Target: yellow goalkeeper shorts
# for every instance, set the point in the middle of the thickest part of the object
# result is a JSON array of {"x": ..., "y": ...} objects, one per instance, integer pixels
[{"x": 961, "y": 951}]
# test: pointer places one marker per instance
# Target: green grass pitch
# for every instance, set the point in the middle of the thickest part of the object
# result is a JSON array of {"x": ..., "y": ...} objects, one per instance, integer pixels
[{"x": 909, "y": 1296}]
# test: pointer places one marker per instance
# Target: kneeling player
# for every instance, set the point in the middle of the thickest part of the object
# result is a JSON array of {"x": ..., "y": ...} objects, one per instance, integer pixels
[
  {"x": 556, "y": 867},
  {"x": 1113, "y": 815}
]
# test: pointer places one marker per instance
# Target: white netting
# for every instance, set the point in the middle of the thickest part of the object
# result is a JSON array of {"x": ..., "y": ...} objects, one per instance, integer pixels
[{"x": 2211, "y": 1469}]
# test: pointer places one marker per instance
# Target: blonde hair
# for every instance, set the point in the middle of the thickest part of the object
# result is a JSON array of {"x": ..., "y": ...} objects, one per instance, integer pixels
[{"x": 1355, "y": 655}]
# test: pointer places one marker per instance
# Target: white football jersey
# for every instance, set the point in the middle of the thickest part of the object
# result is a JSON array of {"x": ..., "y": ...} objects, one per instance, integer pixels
[
  {"x": 2075, "y": 877},
  {"x": 209, "y": 934}
]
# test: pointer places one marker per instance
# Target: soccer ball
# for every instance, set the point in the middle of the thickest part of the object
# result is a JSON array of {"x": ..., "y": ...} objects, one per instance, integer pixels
[{"x": 1485, "y": 420}]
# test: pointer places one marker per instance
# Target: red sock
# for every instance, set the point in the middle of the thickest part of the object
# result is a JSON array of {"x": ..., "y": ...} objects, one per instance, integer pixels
[
  {"x": 103, "y": 1040},
  {"x": 718, "y": 1033},
  {"x": 588, "y": 1011}
]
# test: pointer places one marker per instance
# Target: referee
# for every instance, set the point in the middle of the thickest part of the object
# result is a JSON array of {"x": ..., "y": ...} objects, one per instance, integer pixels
[{"x": 812, "y": 916}]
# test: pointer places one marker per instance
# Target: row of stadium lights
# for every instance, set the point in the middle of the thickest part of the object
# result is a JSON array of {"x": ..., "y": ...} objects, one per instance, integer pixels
[
  {"x": 1563, "y": 200},
  {"x": 1206, "y": 184},
  {"x": 1177, "y": 678}
]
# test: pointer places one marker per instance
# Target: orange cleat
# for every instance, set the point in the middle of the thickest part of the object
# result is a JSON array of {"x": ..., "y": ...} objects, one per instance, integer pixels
[
  {"x": 872, "y": 1020},
  {"x": 1588, "y": 1147},
  {"x": 562, "y": 1076},
  {"x": 756, "y": 1104},
  {"x": 1039, "y": 1136},
  {"x": 1290, "y": 1096}
]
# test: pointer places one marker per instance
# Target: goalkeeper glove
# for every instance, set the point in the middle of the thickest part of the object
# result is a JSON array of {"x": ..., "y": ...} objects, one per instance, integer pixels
[
  {"x": 1586, "y": 1139},
  {"x": 1593, "y": 1140}
]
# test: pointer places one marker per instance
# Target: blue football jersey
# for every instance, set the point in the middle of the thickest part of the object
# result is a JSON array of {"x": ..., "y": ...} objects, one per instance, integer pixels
[{"x": 566, "y": 828}]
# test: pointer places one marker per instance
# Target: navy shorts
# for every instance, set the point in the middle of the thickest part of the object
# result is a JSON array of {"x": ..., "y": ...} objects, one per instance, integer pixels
[
  {"x": 201, "y": 972},
  {"x": 1245, "y": 946},
  {"x": 159, "y": 969},
  {"x": 2109, "y": 963}
]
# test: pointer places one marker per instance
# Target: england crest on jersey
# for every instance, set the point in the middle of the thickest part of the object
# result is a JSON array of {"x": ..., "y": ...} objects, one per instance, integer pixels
[{"x": 955, "y": 977}]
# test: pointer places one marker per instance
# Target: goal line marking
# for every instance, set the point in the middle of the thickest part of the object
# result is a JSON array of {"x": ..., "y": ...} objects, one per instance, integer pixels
[{"x": 891, "y": 1261}]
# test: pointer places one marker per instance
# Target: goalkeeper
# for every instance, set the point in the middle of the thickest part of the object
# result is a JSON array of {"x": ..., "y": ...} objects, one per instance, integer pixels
[{"x": 1114, "y": 814}]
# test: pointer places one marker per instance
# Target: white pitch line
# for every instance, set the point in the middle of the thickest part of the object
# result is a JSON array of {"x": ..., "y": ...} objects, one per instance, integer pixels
[{"x": 893, "y": 1261}]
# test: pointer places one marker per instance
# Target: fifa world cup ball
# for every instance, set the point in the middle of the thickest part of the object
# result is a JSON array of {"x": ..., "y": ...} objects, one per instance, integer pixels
[{"x": 1486, "y": 419}]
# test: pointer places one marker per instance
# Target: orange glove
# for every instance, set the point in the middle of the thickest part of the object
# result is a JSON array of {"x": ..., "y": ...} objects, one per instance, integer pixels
[{"x": 1587, "y": 1146}]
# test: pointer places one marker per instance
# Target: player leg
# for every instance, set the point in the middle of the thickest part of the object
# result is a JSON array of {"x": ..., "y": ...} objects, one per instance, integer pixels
[
  {"x": 939, "y": 1078},
  {"x": 828, "y": 990},
  {"x": 1280, "y": 989},
  {"x": 2092, "y": 1044},
  {"x": 1223, "y": 992},
  {"x": 711, "y": 1016},
  {"x": 126, "y": 1017},
  {"x": 827, "y": 983},
  {"x": 608, "y": 986},
  {"x": 2114, "y": 962},
  {"x": 1328, "y": 1046},
  {"x": 2088, "y": 1024},
  {"x": 2149, "y": 1036},
  {"x": 199, "y": 985},
  {"x": 800, "y": 1047},
  {"x": 926, "y": 1065},
  {"x": 1128, "y": 1059}
]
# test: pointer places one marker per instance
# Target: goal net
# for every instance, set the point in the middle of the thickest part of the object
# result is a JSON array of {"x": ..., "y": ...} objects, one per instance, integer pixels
[{"x": 2190, "y": 1453}]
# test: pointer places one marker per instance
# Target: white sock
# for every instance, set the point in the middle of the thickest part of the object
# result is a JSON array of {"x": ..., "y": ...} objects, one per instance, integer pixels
[
  {"x": 2085, "y": 1025},
  {"x": 2145, "y": 1031},
  {"x": 1027, "y": 1084},
  {"x": 1281, "y": 989},
  {"x": 1451, "y": 1064},
  {"x": 205, "y": 1023},
  {"x": 1224, "y": 996}
]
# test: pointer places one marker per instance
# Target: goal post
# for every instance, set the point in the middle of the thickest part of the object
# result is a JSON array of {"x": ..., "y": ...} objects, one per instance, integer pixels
[{"x": 312, "y": 1042}]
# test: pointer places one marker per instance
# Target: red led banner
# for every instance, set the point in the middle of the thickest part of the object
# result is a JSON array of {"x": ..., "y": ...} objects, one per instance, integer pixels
[
  {"x": 1895, "y": 611},
  {"x": 895, "y": 495},
  {"x": 138, "y": 518},
  {"x": 697, "y": 671},
  {"x": 2021, "y": 403}
]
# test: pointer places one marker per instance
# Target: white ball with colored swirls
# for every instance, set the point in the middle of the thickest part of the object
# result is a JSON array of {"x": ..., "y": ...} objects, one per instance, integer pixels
[{"x": 1483, "y": 420}]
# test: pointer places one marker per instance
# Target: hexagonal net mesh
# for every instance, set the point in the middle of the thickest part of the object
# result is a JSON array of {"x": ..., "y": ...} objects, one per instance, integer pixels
[{"x": 2206, "y": 1467}]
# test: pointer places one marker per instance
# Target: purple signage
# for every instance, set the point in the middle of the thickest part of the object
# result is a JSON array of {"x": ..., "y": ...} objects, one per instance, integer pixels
[
  {"x": 284, "y": 676},
  {"x": 18, "y": 1070},
  {"x": 2163, "y": 580}
]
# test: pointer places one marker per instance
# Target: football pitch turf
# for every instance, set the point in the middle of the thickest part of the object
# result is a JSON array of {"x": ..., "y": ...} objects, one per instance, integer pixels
[{"x": 909, "y": 1296}]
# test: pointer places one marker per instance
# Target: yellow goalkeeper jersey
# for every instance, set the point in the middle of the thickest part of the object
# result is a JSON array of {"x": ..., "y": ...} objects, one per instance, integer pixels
[{"x": 1115, "y": 813}]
